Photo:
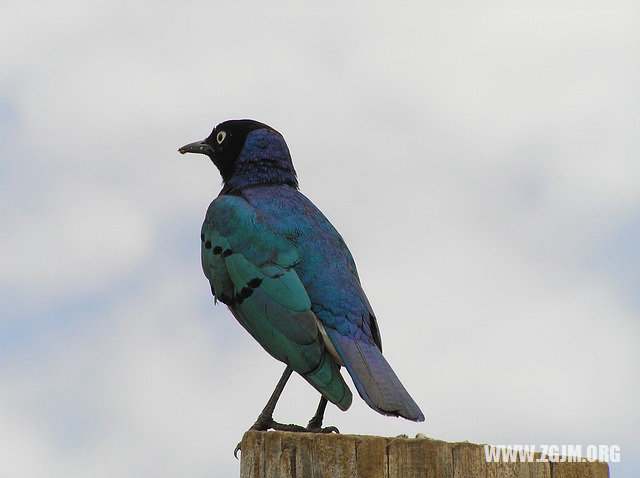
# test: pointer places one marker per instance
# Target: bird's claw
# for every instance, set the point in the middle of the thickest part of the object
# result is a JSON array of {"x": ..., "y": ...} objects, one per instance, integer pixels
[
  {"x": 312, "y": 429},
  {"x": 267, "y": 423},
  {"x": 315, "y": 426}
]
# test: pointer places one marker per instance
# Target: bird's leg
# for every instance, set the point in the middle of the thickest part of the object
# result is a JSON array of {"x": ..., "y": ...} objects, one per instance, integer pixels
[
  {"x": 315, "y": 424},
  {"x": 265, "y": 420}
]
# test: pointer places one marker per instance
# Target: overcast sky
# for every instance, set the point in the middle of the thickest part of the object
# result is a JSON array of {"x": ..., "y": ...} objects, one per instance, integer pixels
[{"x": 480, "y": 159}]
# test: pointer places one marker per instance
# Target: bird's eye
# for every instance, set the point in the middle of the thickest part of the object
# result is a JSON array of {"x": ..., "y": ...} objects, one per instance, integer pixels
[{"x": 221, "y": 136}]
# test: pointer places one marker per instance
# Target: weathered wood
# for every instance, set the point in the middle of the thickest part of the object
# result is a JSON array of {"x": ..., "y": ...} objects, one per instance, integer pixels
[
  {"x": 579, "y": 470},
  {"x": 313, "y": 455}
]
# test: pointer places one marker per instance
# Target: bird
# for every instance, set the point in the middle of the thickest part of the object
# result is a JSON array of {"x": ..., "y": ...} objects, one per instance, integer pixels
[{"x": 287, "y": 276}]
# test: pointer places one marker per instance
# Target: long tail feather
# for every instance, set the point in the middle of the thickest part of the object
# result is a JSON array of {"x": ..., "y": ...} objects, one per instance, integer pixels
[{"x": 375, "y": 380}]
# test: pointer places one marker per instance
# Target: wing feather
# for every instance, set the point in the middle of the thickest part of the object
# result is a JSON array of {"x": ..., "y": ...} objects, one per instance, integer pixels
[{"x": 251, "y": 269}]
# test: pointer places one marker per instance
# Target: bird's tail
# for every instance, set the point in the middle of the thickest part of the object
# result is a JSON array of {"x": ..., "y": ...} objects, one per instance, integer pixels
[{"x": 375, "y": 380}]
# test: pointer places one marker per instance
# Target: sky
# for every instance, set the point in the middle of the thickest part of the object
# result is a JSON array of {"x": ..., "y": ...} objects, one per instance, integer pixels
[{"x": 479, "y": 158}]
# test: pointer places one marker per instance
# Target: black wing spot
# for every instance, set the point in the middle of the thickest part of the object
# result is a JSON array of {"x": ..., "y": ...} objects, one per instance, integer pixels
[
  {"x": 255, "y": 282},
  {"x": 243, "y": 294},
  {"x": 207, "y": 244},
  {"x": 225, "y": 299},
  {"x": 217, "y": 250},
  {"x": 227, "y": 252}
]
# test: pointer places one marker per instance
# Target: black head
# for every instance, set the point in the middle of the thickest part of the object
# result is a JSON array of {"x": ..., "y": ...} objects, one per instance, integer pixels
[{"x": 246, "y": 152}]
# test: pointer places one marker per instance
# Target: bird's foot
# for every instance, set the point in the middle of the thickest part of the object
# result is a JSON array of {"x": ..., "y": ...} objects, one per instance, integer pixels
[
  {"x": 315, "y": 426},
  {"x": 268, "y": 423},
  {"x": 322, "y": 429},
  {"x": 264, "y": 423},
  {"x": 311, "y": 428}
]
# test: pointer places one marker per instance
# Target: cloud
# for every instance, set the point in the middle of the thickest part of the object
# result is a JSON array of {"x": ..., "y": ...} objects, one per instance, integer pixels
[{"x": 479, "y": 161}]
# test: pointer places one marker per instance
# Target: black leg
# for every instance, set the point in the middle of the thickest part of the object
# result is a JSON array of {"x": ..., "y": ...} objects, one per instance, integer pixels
[
  {"x": 315, "y": 424},
  {"x": 265, "y": 420}
]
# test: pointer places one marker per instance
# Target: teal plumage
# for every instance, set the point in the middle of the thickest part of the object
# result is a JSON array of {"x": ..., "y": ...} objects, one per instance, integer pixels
[
  {"x": 287, "y": 275},
  {"x": 252, "y": 270}
]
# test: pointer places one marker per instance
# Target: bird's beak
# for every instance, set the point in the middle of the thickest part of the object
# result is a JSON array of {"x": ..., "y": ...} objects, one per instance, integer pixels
[{"x": 199, "y": 147}]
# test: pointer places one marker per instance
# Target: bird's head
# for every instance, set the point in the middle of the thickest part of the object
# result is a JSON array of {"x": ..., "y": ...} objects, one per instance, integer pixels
[{"x": 247, "y": 153}]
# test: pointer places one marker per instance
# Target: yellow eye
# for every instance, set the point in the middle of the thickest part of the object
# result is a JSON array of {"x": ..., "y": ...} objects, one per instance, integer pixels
[{"x": 221, "y": 136}]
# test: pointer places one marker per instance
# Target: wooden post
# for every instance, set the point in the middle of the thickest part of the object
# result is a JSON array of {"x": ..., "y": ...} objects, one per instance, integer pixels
[{"x": 313, "y": 455}]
